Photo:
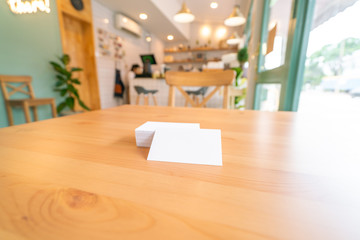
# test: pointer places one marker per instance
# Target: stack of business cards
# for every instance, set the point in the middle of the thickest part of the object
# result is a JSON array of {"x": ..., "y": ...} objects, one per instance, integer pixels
[
  {"x": 145, "y": 133},
  {"x": 180, "y": 142}
]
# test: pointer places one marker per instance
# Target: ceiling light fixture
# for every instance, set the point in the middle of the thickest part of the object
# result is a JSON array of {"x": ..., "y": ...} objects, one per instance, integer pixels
[
  {"x": 221, "y": 32},
  {"x": 143, "y": 16},
  {"x": 205, "y": 31},
  {"x": 184, "y": 15},
  {"x": 236, "y": 18},
  {"x": 148, "y": 39},
  {"x": 234, "y": 39},
  {"x": 214, "y": 5},
  {"x": 170, "y": 37}
]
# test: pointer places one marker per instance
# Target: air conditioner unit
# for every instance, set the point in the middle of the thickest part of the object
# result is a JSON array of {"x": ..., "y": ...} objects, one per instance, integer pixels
[{"x": 127, "y": 24}]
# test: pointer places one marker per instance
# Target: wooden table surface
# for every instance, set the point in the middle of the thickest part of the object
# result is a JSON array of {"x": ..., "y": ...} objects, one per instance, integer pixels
[{"x": 284, "y": 176}]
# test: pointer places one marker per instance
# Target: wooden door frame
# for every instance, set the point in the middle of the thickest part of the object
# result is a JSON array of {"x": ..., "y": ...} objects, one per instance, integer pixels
[{"x": 64, "y": 7}]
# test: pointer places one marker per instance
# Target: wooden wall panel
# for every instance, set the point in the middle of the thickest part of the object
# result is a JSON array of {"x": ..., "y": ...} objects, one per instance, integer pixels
[
  {"x": 77, "y": 41},
  {"x": 84, "y": 15}
]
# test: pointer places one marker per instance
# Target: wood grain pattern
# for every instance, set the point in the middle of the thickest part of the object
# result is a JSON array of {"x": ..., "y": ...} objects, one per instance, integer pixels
[
  {"x": 83, "y": 15},
  {"x": 285, "y": 176}
]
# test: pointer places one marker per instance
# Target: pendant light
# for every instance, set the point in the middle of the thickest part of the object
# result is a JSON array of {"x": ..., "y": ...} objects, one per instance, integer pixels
[
  {"x": 184, "y": 15},
  {"x": 236, "y": 18},
  {"x": 234, "y": 39}
]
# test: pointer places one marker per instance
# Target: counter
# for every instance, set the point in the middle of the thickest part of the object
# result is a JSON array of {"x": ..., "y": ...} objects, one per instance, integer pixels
[{"x": 163, "y": 93}]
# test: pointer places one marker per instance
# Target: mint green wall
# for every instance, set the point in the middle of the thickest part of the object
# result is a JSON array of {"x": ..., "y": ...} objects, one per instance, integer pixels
[{"x": 27, "y": 43}]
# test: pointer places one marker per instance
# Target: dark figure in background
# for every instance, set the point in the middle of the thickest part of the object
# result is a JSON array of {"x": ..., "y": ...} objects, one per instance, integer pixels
[{"x": 136, "y": 71}]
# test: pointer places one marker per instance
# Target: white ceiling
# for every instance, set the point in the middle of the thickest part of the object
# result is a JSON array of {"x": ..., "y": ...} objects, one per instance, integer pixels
[
  {"x": 203, "y": 13},
  {"x": 160, "y": 25},
  {"x": 156, "y": 23}
]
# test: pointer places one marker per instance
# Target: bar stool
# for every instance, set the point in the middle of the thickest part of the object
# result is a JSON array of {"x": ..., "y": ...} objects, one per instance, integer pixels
[
  {"x": 142, "y": 91},
  {"x": 196, "y": 95}
]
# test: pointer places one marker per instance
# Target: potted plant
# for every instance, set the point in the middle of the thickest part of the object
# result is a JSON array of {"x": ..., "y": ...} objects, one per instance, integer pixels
[
  {"x": 243, "y": 56},
  {"x": 66, "y": 85}
]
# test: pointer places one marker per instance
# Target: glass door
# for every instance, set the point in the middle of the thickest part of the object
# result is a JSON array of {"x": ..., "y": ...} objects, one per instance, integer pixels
[
  {"x": 332, "y": 69},
  {"x": 284, "y": 37}
]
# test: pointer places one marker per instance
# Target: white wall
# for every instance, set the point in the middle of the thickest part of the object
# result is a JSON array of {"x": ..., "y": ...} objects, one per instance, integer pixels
[
  {"x": 169, "y": 8},
  {"x": 157, "y": 48},
  {"x": 195, "y": 34},
  {"x": 133, "y": 47}
]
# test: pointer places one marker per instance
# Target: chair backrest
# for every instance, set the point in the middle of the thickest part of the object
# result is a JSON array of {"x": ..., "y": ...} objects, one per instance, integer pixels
[
  {"x": 202, "y": 79},
  {"x": 6, "y": 82}
]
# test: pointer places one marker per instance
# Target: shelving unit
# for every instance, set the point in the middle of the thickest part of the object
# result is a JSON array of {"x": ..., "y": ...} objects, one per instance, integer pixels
[
  {"x": 195, "y": 59},
  {"x": 200, "y": 50}
]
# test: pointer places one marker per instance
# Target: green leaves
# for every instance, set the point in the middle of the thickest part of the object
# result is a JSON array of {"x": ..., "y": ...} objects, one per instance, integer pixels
[
  {"x": 65, "y": 84},
  {"x": 63, "y": 92},
  {"x": 243, "y": 55},
  {"x": 239, "y": 73},
  {"x": 60, "y": 78},
  {"x": 76, "y": 81},
  {"x": 57, "y": 67},
  {"x": 65, "y": 59},
  {"x": 70, "y": 102},
  {"x": 83, "y": 105},
  {"x": 59, "y": 83},
  {"x": 71, "y": 89},
  {"x": 76, "y": 69},
  {"x": 61, "y": 107}
]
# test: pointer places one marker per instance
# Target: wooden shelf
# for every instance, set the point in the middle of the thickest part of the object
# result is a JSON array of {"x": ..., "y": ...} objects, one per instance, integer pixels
[
  {"x": 200, "y": 50},
  {"x": 193, "y": 61}
]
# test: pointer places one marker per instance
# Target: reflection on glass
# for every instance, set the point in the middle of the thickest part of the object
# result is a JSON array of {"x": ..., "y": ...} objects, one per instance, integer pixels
[
  {"x": 332, "y": 69},
  {"x": 268, "y": 97},
  {"x": 278, "y": 26}
]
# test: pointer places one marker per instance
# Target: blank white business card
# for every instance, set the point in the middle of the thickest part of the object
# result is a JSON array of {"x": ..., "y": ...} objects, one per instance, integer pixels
[
  {"x": 195, "y": 146},
  {"x": 144, "y": 134}
]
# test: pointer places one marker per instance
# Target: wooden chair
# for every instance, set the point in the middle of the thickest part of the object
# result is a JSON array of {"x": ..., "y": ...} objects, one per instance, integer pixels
[
  {"x": 233, "y": 93},
  {"x": 31, "y": 102},
  {"x": 196, "y": 94},
  {"x": 202, "y": 79}
]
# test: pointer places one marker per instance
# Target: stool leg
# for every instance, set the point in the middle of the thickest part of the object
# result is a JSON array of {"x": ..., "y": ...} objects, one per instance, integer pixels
[
  {"x": 137, "y": 99},
  {"x": 35, "y": 113},
  {"x": 155, "y": 101},
  {"x": 10, "y": 115},
  {"x": 146, "y": 100},
  {"x": 26, "y": 112}
]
